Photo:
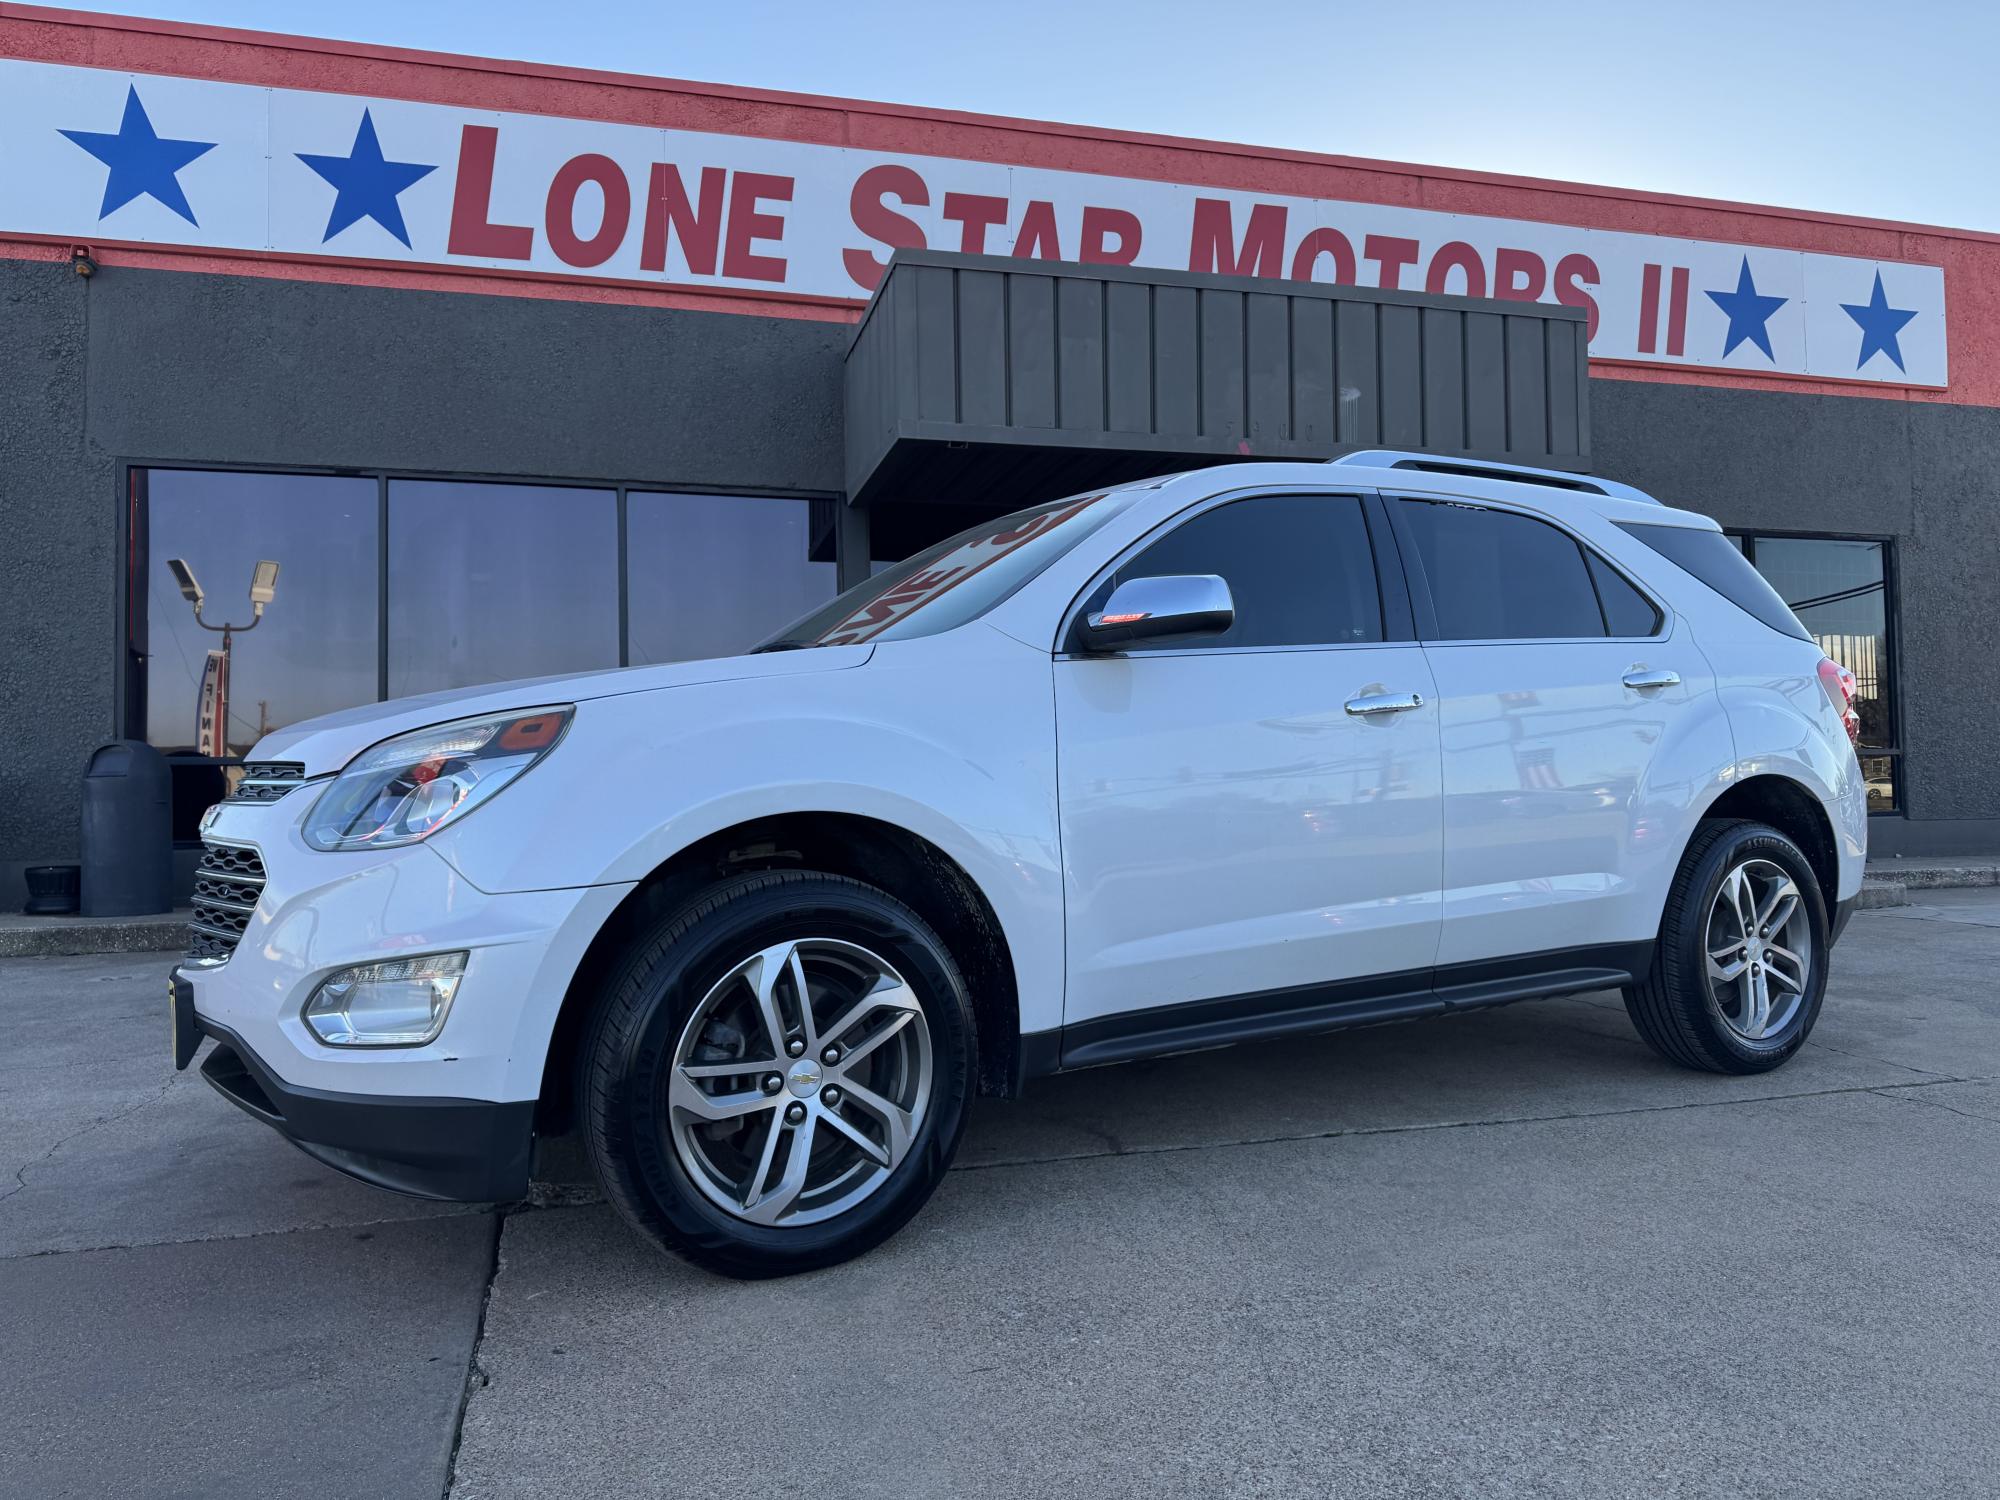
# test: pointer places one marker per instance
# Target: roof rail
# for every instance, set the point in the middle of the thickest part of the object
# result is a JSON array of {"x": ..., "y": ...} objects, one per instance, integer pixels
[{"x": 1469, "y": 468}]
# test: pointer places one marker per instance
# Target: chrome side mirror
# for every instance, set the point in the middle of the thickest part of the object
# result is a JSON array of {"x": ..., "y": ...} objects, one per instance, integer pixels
[{"x": 1145, "y": 609}]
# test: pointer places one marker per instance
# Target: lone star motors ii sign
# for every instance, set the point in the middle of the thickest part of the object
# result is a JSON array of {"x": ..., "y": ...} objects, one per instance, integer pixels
[{"x": 104, "y": 157}]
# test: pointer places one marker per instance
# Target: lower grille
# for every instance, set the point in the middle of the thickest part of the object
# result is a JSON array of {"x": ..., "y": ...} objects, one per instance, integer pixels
[{"x": 227, "y": 883}]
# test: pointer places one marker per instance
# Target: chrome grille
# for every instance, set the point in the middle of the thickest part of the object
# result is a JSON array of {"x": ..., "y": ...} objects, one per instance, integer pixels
[
  {"x": 267, "y": 780},
  {"x": 227, "y": 883}
]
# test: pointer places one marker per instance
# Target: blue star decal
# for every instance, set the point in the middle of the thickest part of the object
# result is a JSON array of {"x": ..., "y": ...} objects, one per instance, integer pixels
[
  {"x": 142, "y": 163},
  {"x": 1748, "y": 311},
  {"x": 365, "y": 185},
  {"x": 1880, "y": 323}
]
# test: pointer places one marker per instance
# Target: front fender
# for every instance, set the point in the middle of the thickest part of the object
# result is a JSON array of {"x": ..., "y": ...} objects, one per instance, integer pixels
[{"x": 950, "y": 738}]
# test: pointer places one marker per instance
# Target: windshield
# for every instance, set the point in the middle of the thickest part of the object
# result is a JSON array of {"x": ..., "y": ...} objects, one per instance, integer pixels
[{"x": 957, "y": 580}]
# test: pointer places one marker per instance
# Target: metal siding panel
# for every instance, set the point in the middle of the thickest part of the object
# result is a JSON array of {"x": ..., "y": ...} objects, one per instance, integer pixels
[
  {"x": 1527, "y": 387},
  {"x": 1354, "y": 368},
  {"x": 1080, "y": 352},
  {"x": 1485, "y": 383},
  {"x": 1092, "y": 369},
  {"x": 982, "y": 348},
  {"x": 1579, "y": 334},
  {"x": 1312, "y": 372},
  {"x": 1402, "y": 363},
  {"x": 1176, "y": 360},
  {"x": 1128, "y": 357},
  {"x": 1267, "y": 367},
  {"x": 1563, "y": 425},
  {"x": 1031, "y": 346},
  {"x": 937, "y": 345},
  {"x": 1444, "y": 378},
  {"x": 1222, "y": 366}
]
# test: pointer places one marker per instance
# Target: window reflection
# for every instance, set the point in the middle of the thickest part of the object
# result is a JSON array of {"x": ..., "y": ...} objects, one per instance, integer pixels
[
  {"x": 1839, "y": 591},
  {"x": 712, "y": 575},
  {"x": 489, "y": 582},
  {"x": 314, "y": 650}
]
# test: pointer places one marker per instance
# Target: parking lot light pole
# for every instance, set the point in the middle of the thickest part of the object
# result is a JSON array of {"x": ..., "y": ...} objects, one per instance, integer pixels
[{"x": 263, "y": 589}]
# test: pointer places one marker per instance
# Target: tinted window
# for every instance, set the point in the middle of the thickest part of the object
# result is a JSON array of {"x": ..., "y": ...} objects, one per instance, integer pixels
[
  {"x": 495, "y": 581},
  {"x": 1298, "y": 567},
  {"x": 712, "y": 575},
  {"x": 1497, "y": 576},
  {"x": 1626, "y": 610},
  {"x": 1717, "y": 562}
]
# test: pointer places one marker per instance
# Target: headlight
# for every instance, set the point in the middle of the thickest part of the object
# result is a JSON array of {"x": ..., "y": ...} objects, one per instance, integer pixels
[
  {"x": 400, "y": 1003},
  {"x": 406, "y": 789}
]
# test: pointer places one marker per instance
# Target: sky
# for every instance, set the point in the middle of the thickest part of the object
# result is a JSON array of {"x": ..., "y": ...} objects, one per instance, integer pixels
[{"x": 1885, "y": 111}]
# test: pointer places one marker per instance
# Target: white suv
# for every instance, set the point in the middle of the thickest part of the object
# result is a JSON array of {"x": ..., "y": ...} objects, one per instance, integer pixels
[{"x": 1253, "y": 751}]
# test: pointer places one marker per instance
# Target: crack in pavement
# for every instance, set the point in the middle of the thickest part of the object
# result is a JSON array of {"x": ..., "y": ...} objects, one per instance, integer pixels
[
  {"x": 1883, "y": 1089},
  {"x": 1964, "y": 1114},
  {"x": 440, "y": 1211},
  {"x": 476, "y": 1378},
  {"x": 21, "y": 1172}
]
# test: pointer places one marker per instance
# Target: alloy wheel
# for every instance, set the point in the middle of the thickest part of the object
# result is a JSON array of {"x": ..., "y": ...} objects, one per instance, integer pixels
[
  {"x": 1759, "y": 948},
  {"x": 800, "y": 1082}
]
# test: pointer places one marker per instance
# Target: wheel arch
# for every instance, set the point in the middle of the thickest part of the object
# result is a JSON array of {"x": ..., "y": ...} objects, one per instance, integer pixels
[
  {"x": 1795, "y": 810},
  {"x": 906, "y": 865}
]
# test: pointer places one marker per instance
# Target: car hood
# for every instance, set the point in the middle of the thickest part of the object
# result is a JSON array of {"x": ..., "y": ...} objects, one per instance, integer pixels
[{"x": 330, "y": 741}]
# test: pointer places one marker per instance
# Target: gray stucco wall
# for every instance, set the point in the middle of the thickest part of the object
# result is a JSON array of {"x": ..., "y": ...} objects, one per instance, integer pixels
[
  {"x": 167, "y": 366},
  {"x": 1924, "y": 473}
]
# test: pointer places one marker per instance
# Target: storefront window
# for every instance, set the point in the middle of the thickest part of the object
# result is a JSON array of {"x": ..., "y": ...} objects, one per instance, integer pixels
[
  {"x": 711, "y": 575},
  {"x": 1839, "y": 589},
  {"x": 477, "y": 582},
  {"x": 494, "y": 581},
  {"x": 313, "y": 649}
]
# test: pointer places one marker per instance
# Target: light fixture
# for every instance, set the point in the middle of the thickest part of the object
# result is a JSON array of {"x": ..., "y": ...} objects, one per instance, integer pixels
[{"x": 184, "y": 576}]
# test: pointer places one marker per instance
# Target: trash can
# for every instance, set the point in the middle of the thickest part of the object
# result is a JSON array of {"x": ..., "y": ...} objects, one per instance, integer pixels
[{"x": 128, "y": 843}]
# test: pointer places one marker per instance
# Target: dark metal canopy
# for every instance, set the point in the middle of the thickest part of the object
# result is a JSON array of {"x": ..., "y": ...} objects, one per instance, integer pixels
[{"x": 978, "y": 383}]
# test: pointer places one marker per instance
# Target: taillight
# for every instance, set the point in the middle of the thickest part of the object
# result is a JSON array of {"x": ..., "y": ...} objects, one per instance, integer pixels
[{"x": 1839, "y": 685}]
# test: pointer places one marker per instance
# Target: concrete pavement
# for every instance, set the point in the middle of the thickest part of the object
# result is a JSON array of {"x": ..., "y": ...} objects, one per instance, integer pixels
[{"x": 1508, "y": 1253}]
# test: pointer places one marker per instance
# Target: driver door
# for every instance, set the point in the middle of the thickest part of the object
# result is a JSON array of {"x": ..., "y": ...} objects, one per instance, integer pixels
[{"x": 1247, "y": 830}]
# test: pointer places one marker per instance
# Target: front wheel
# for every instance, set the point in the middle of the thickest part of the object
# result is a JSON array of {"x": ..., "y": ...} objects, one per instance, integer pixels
[
  {"x": 1740, "y": 968},
  {"x": 780, "y": 1074}
]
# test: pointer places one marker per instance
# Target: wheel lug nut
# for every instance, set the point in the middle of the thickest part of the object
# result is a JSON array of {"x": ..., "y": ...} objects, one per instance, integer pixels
[
  {"x": 773, "y": 1082},
  {"x": 794, "y": 1047},
  {"x": 831, "y": 1055},
  {"x": 795, "y": 1112},
  {"x": 831, "y": 1096}
]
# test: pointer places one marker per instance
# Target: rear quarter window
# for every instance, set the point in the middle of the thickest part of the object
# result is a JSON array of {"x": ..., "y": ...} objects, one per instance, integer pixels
[{"x": 1710, "y": 557}]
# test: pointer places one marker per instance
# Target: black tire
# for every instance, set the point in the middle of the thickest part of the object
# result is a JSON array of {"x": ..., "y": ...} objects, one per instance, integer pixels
[
  {"x": 1675, "y": 1010},
  {"x": 628, "y": 1058}
]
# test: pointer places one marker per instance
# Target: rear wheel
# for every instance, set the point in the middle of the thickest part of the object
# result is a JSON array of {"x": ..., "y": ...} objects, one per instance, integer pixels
[
  {"x": 780, "y": 1074},
  {"x": 1740, "y": 968}
]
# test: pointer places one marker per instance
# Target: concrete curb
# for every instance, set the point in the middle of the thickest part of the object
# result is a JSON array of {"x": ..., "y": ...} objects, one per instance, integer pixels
[
  {"x": 69, "y": 937},
  {"x": 1877, "y": 893}
]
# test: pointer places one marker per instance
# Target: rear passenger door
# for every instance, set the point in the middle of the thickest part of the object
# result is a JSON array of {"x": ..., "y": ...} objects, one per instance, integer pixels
[{"x": 1562, "y": 690}]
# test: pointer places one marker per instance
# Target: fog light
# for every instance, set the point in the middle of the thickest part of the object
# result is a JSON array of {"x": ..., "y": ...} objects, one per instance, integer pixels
[{"x": 401, "y": 1003}]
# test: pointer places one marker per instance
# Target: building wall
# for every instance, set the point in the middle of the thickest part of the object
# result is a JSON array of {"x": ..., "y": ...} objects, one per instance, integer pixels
[
  {"x": 1929, "y": 477},
  {"x": 156, "y": 366},
  {"x": 167, "y": 367}
]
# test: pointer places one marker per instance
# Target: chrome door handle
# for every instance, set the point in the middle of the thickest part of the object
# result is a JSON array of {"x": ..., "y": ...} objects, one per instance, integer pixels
[
  {"x": 1641, "y": 679},
  {"x": 1369, "y": 704}
]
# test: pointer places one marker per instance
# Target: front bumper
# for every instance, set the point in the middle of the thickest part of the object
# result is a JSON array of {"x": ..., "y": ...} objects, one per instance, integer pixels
[
  {"x": 465, "y": 1150},
  {"x": 318, "y": 913}
]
